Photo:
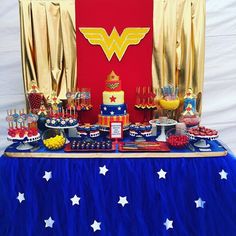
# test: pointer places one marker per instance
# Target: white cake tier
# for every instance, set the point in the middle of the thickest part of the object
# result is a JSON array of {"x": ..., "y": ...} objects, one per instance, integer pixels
[{"x": 113, "y": 97}]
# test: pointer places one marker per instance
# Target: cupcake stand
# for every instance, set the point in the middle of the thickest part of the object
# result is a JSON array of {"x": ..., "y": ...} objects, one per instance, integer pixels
[
  {"x": 202, "y": 142},
  {"x": 24, "y": 144},
  {"x": 63, "y": 128}
]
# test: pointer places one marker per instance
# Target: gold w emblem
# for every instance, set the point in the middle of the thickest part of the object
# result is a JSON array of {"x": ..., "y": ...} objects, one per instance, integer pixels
[{"x": 114, "y": 43}]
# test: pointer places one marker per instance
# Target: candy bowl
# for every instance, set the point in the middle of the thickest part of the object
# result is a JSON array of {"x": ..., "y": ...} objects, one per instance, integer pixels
[
  {"x": 54, "y": 139},
  {"x": 169, "y": 104},
  {"x": 190, "y": 120},
  {"x": 177, "y": 139}
]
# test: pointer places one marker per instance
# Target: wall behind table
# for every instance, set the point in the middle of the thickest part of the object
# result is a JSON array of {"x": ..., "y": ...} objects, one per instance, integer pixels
[
  {"x": 11, "y": 83},
  {"x": 219, "y": 100},
  {"x": 219, "y": 94}
]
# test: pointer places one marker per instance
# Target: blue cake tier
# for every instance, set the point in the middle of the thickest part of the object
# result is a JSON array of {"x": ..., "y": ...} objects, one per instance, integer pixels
[{"x": 113, "y": 110}]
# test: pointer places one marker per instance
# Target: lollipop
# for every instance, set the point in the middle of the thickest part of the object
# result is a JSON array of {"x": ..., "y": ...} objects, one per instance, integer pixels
[
  {"x": 68, "y": 94},
  {"x": 30, "y": 118},
  {"x": 35, "y": 118},
  {"x": 9, "y": 118},
  {"x": 15, "y": 116},
  {"x": 23, "y": 116},
  {"x": 20, "y": 120}
]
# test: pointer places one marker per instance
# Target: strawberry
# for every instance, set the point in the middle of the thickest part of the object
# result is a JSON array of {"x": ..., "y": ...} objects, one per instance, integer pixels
[{"x": 21, "y": 134}]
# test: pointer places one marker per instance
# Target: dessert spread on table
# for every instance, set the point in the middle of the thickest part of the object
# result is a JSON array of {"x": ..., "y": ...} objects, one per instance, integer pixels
[{"x": 59, "y": 120}]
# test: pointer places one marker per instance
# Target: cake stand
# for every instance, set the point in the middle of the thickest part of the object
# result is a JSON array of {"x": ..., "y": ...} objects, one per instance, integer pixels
[
  {"x": 162, "y": 136},
  {"x": 63, "y": 128},
  {"x": 25, "y": 142},
  {"x": 202, "y": 140}
]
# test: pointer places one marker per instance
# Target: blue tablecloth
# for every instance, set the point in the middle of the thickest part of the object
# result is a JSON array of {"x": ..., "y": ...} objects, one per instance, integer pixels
[{"x": 151, "y": 200}]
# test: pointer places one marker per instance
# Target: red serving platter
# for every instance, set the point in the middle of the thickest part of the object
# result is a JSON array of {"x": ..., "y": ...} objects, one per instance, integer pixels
[{"x": 143, "y": 147}]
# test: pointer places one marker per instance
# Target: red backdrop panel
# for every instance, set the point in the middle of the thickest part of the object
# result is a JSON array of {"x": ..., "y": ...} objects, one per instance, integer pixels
[{"x": 93, "y": 67}]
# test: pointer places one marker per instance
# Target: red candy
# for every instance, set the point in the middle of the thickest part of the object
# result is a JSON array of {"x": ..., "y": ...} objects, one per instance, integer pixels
[
  {"x": 178, "y": 141},
  {"x": 35, "y": 100}
]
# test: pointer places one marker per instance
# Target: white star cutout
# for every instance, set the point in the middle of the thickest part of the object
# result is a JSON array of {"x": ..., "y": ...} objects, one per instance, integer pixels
[
  {"x": 123, "y": 201},
  {"x": 96, "y": 225},
  {"x": 75, "y": 200},
  {"x": 223, "y": 174},
  {"x": 47, "y": 175},
  {"x": 112, "y": 113},
  {"x": 119, "y": 108},
  {"x": 105, "y": 108},
  {"x": 21, "y": 197},
  {"x": 49, "y": 222},
  {"x": 103, "y": 170},
  {"x": 162, "y": 174},
  {"x": 168, "y": 224},
  {"x": 199, "y": 203},
  {"x": 124, "y": 111}
]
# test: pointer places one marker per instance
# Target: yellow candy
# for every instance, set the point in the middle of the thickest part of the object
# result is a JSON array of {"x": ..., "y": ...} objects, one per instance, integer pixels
[
  {"x": 169, "y": 104},
  {"x": 54, "y": 142}
]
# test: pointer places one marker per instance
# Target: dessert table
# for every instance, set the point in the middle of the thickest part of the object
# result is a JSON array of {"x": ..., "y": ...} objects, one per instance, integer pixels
[{"x": 117, "y": 195}]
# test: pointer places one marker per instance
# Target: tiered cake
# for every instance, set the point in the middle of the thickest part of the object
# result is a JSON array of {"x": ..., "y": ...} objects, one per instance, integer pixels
[{"x": 113, "y": 107}]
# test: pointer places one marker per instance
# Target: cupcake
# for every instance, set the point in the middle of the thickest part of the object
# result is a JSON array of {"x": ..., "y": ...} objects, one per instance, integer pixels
[
  {"x": 48, "y": 121},
  {"x": 53, "y": 122},
  {"x": 75, "y": 122},
  {"x": 62, "y": 123}
]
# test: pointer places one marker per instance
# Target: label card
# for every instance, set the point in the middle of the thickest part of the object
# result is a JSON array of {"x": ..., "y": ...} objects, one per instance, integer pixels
[{"x": 116, "y": 130}]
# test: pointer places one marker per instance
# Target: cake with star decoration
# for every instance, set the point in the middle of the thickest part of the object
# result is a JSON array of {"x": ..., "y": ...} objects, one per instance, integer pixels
[{"x": 113, "y": 107}]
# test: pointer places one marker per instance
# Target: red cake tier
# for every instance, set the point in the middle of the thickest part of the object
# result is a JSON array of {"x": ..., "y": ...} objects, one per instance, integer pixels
[{"x": 105, "y": 120}]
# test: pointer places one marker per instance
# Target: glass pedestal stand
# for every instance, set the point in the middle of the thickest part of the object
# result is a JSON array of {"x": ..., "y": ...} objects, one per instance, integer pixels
[{"x": 162, "y": 136}]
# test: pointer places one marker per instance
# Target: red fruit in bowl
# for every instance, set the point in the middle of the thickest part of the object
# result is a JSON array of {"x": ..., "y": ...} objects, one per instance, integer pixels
[
  {"x": 177, "y": 141},
  {"x": 30, "y": 134},
  {"x": 21, "y": 134}
]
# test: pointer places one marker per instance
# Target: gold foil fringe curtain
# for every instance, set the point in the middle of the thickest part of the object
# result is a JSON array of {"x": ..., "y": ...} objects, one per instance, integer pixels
[
  {"x": 179, "y": 45},
  {"x": 48, "y": 45}
]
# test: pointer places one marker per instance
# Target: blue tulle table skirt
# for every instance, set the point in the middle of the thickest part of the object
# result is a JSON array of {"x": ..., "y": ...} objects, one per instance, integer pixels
[{"x": 150, "y": 200}]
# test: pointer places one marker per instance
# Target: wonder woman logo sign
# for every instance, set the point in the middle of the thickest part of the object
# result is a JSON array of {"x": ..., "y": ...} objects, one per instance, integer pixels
[{"x": 114, "y": 43}]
